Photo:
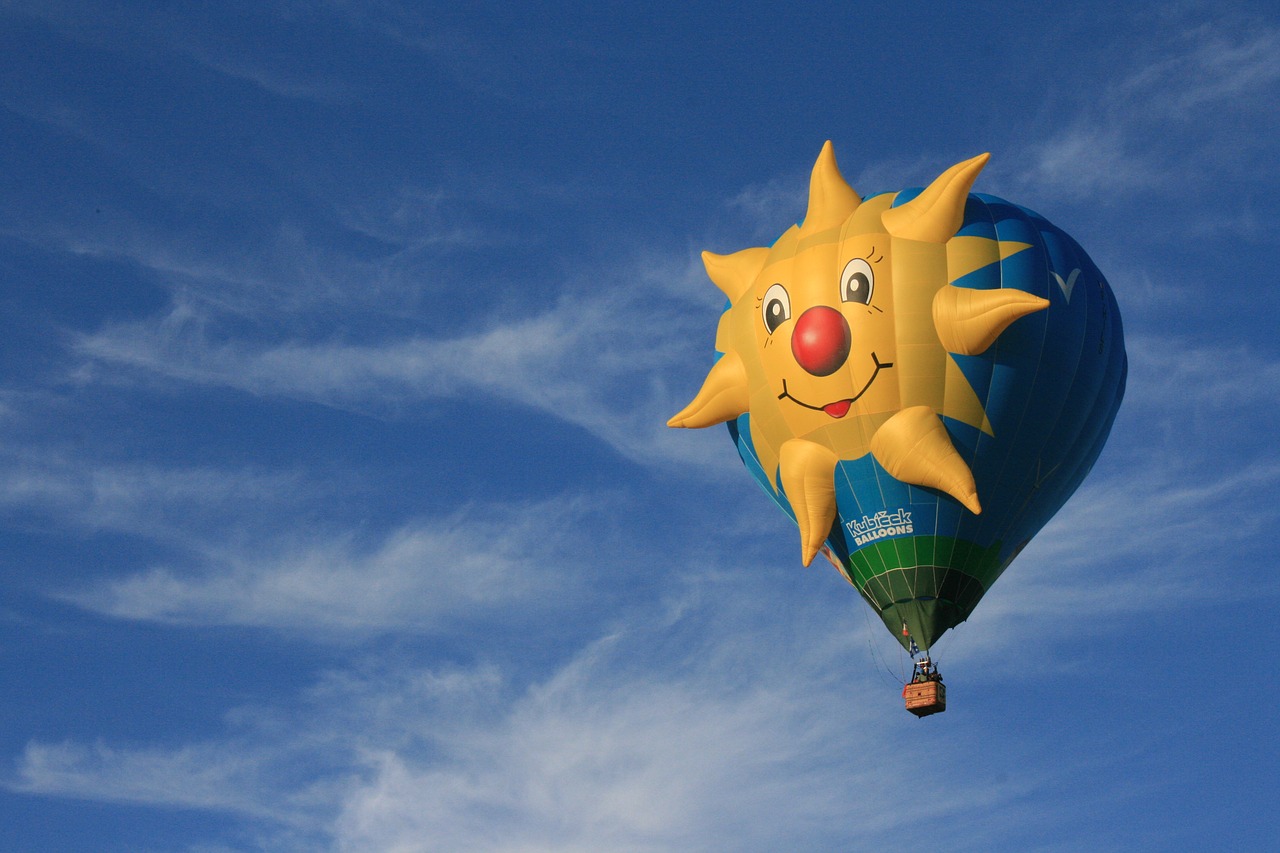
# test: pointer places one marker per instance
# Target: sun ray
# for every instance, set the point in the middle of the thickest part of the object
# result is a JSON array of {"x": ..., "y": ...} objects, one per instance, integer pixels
[
  {"x": 914, "y": 447},
  {"x": 808, "y": 476},
  {"x": 734, "y": 273},
  {"x": 935, "y": 215},
  {"x": 831, "y": 199},
  {"x": 968, "y": 321},
  {"x": 723, "y": 396}
]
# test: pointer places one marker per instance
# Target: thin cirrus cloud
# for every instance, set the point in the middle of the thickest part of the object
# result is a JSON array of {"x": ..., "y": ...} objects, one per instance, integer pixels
[
  {"x": 1212, "y": 65},
  {"x": 190, "y": 512},
  {"x": 594, "y": 360},
  {"x": 247, "y": 548},
  {"x": 430, "y": 575},
  {"x": 612, "y": 751},
  {"x": 215, "y": 777},
  {"x": 1199, "y": 375},
  {"x": 186, "y": 33},
  {"x": 1118, "y": 140},
  {"x": 655, "y": 736}
]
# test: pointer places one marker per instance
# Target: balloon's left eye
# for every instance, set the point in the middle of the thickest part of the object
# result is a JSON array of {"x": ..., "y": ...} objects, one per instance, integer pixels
[
  {"x": 777, "y": 307},
  {"x": 857, "y": 282}
]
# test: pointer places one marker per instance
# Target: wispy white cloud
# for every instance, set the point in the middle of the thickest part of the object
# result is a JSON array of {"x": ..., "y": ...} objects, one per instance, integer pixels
[
  {"x": 1208, "y": 65},
  {"x": 1176, "y": 87},
  {"x": 146, "y": 499},
  {"x": 600, "y": 358},
  {"x": 1180, "y": 376},
  {"x": 276, "y": 277},
  {"x": 428, "y": 576},
  {"x": 771, "y": 206},
  {"x": 477, "y": 56},
  {"x": 691, "y": 733},
  {"x": 745, "y": 733},
  {"x": 204, "y": 776},
  {"x": 1089, "y": 160},
  {"x": 317, "y": 84},
  {"x": 291, "y": 77},
  {"x": 648, "y": 765},
  {"x": 267, "y": 548},
  {"x": 1162, "y": 516},
  {"x": 413, "y": 220}
]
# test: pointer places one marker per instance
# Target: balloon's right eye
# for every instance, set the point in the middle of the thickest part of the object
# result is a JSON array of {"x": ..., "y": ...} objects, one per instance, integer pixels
[
  {"x": 857, "y": 282},
  {"x": 777, "y": 307}
]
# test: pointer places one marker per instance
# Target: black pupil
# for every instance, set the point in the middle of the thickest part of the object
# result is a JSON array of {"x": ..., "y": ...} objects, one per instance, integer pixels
[
  {"x": 774, "y": 310},
  {"x": 857, "y": 285}
]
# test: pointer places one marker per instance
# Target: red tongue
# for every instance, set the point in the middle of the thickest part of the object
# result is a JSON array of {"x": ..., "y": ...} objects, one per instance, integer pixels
[{"x": 838, "y": 410}]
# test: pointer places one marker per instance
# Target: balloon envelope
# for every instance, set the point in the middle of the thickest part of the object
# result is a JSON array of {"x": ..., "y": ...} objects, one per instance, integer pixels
[{"x": 982, "y": 360}]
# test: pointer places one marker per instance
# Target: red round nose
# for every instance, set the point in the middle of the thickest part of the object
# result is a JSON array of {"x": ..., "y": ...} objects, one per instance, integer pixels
[{"x": 821, "y": 340}]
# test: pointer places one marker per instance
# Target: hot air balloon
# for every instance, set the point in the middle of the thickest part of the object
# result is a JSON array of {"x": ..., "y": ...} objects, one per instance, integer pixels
[{"x": 920, "y": 380}]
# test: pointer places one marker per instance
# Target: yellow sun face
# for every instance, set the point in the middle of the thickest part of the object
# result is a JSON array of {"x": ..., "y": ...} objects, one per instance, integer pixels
[
  {"x": 837, "y": 338},
  {"x": 820, "y": 322},
  {"x": 823, "y": 334}
]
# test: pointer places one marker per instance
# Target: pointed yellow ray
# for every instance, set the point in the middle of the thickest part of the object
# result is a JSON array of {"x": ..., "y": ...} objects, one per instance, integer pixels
[
  {"x": 808, "y": 474},
  {"x": 722, "y": 397},
  {"x": 935, "y": 215},
  {"x": 914, "y": 447},
  {"x": 831, "y": 199},
  {"x": 734, "y": 273},
  {"x": 968, "y": 321}
]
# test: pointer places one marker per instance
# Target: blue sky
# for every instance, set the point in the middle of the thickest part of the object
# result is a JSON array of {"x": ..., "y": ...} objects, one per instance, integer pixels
[{"x": 337, "y": 505}]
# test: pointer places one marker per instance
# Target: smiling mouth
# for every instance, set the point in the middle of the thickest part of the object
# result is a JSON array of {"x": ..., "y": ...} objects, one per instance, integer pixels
[{"x": 839, "y": 408}]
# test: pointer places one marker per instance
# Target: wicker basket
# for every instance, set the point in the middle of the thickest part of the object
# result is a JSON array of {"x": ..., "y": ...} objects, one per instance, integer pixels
[{"x": 925, "y": 697}]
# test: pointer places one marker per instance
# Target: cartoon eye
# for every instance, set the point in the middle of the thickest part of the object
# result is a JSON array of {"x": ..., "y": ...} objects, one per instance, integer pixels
[
  {"x": 857, "y": 282},
  {"x": 777, "y": 307}
]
